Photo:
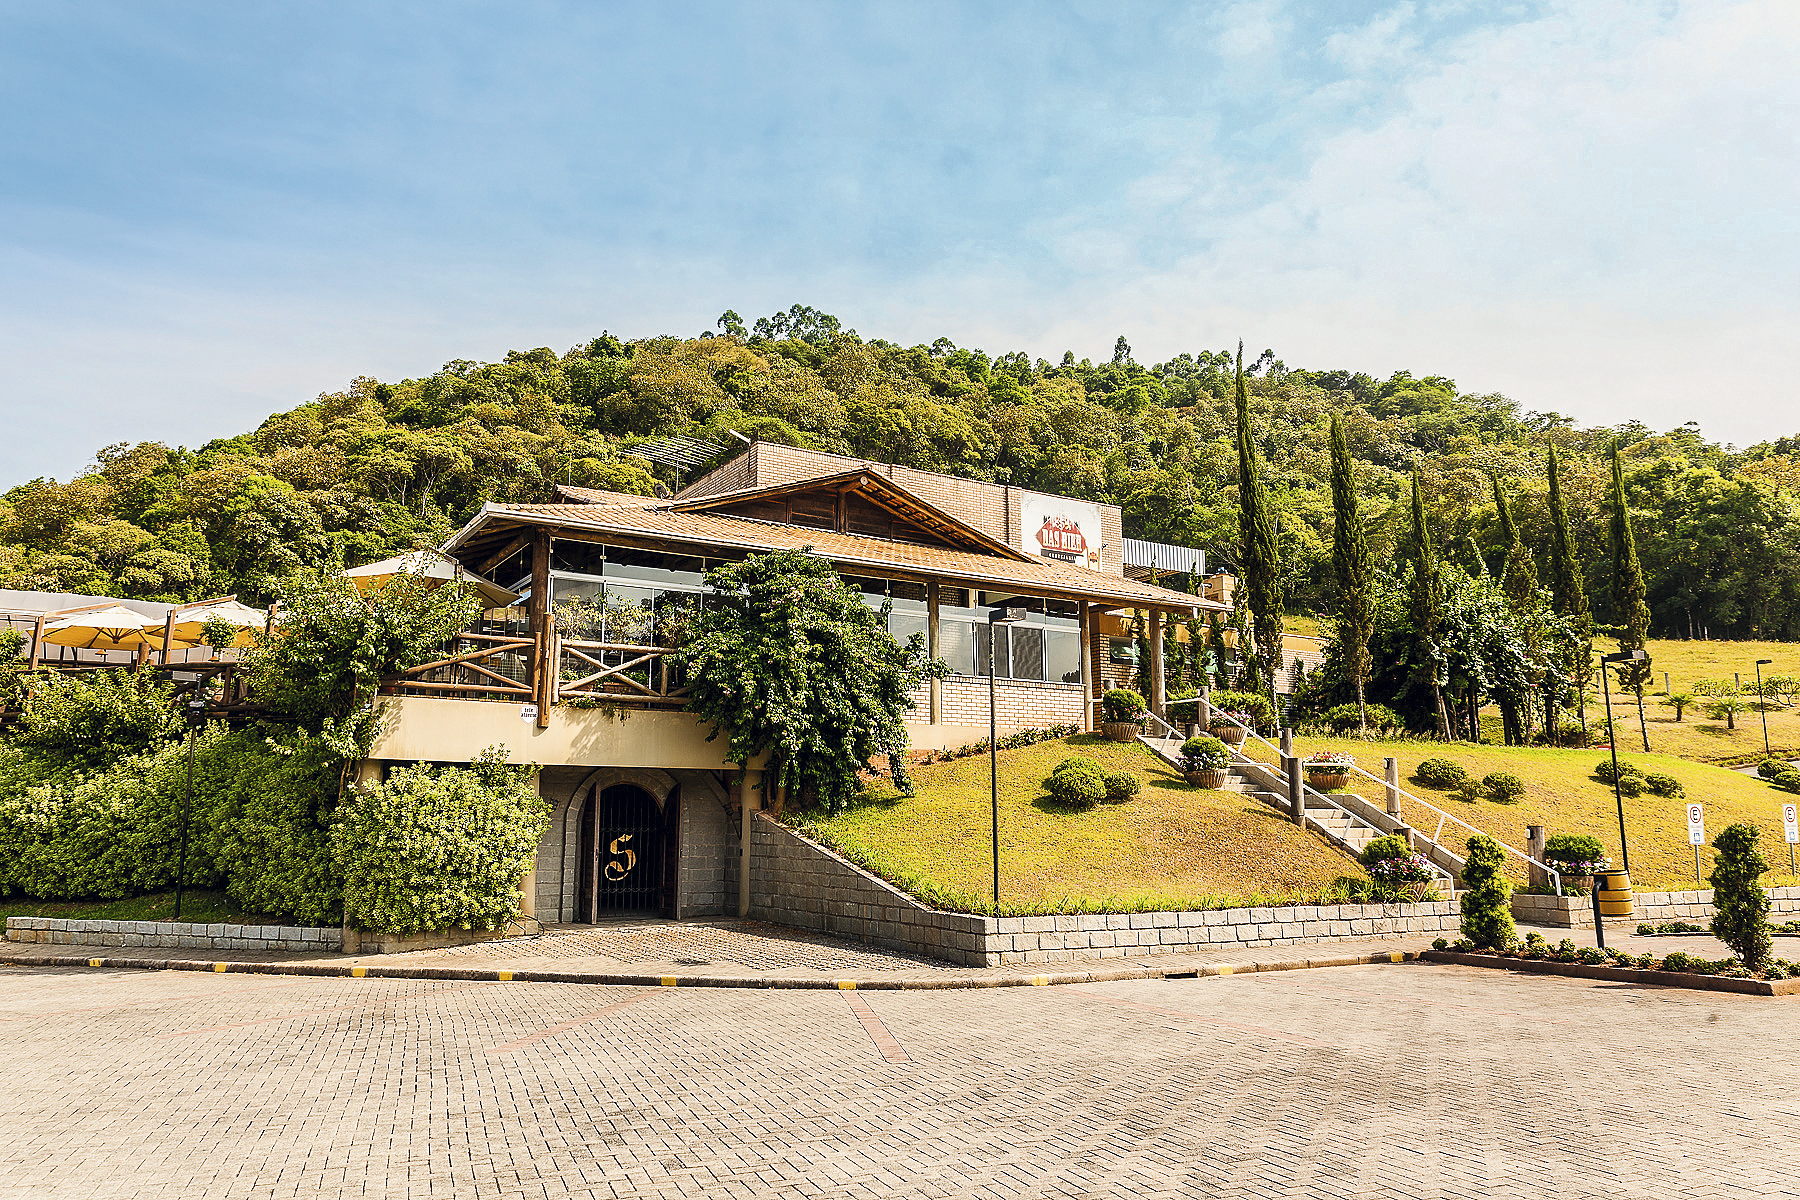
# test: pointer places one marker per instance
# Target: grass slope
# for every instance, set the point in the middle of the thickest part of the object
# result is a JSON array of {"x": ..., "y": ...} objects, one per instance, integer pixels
[
  {"x": 1172, "y": 846},
  {"x": 1561, "y": 795},
  {"x": 1696, "y": 735}
]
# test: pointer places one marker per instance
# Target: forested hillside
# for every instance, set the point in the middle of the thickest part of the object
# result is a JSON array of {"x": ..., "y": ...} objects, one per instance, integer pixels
[{"x": 386, "y": 466}]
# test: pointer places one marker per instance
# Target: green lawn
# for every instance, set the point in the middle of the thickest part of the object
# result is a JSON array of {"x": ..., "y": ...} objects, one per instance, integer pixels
[
  {"x": 1172, "y": 846},
  {"x": 1561, "y": 794},
  {"x": 1698, "y": 736},
  {"x": 197, "y": 905}
]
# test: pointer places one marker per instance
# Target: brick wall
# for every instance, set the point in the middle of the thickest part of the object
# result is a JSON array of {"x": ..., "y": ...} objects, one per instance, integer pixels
[
  {"x": 795, "y": 881},
  {"x": 1021, "y": 704},
  {"x": 57, "y": 931}
]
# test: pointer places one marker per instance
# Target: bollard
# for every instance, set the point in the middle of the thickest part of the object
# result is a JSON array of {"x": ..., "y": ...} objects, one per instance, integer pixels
[
  {"x": 1535, "y": 875},
  {"x": 1392, "y": 784},
  {"x": 1287, "y": 742},
  {"x": 1296, "y": 790}
]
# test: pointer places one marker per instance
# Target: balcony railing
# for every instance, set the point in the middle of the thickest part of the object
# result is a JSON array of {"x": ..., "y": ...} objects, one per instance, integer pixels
[
  {"x": 485, "y": 666},
  {"x": 616, "y": 671},
  {"x": 494, "y": 666}
]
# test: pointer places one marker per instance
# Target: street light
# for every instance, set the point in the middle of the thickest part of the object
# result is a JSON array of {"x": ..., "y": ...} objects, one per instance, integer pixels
[
  {"x": 996, "y": 618},
  {"x": 1612, "y": 738},
  {"x": 1763, "y": 708}
]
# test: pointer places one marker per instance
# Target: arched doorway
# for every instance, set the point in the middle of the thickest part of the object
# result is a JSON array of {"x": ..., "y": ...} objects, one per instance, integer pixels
[{"x": 627, "y": 853}]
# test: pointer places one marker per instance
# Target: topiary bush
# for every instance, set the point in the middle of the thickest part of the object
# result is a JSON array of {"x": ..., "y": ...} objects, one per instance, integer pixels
[
  {"x": 1441, "y": 773},
  {"x": 1630, "y": 785},
  {"x": 1203, "y": 753},
  {"x": 1740, "y": 905},
  {"x": 1077, "y": 782},
  {"x": 1788, "y": 780},
  {"x": 1121, "y": 787},
  {"x": 1575, "y": 853},
  {"x": 1604, "y": 772},
  {"x": 439, "y": 847},
  {"x": 1486, "y": 911},
  {"x": 1769, "y": 768},
  {"x": 1502, "y": 787},
  {"x": 1664, "y": 785},
  {"x": 1122, "y": 704}
]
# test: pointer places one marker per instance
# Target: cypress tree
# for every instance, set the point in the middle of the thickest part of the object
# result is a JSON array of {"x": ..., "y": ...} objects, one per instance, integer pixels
[
  {"x": 1350, "y": 562},
  {"x": 1262, "y": 554},
  {"x": 1519, "y": 577},
  {"x": 1428, "y": 602},
  {"x": 1628, "y": 594},
  {"x": 1568, "y": 591}
]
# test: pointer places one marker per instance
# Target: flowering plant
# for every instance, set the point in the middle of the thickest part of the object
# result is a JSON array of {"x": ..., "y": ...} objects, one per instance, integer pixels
[
  {"x": 1399, "y": 869},
  {"x": 1581, "y": 867},
  {"x": 1329, "y": 761},
  {"x": 1223, "y": 717}
]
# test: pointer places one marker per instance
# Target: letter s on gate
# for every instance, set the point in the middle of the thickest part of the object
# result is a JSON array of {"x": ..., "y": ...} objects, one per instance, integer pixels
[{"x": 616, "y": 870}]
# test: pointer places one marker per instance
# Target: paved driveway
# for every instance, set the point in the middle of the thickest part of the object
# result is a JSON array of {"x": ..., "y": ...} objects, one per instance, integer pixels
[{"x": 1408, "y": 1080}]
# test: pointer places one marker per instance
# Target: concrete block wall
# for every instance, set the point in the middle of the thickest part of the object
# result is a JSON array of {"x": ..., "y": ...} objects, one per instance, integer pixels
[
  {"x": 58, "y": 931},
  {"x": 795, "y": 881},
  {"x": 708, "y": 843},
  {"x": 1577, "y": 912}
]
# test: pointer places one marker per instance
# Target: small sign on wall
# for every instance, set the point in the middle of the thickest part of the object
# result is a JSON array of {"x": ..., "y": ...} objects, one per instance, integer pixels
[{"x": 527, "y": 712}]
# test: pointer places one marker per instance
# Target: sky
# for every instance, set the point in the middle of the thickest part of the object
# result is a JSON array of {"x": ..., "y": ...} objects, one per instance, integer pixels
[{"x": 210, "y": 212}]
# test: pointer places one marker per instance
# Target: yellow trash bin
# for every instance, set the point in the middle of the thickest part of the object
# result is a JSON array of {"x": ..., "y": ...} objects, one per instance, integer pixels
[{"x": 1615, "y": 893}]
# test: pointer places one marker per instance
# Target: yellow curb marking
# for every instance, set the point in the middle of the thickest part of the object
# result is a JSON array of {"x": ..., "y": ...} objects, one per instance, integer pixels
[
  {"x": 358, "y": 972},
  {"x": 846, "y": 985},
  {"x": 503, "y": 976},
  {"x": 1225, "y": 970},
  {"x": 668, "y": 981},
  {"x": 1396, "y": 956},
  {"x": 94, "y": 962},
  {"x": 1040, "y": 981},
  {"x": 220, "y": 968}
]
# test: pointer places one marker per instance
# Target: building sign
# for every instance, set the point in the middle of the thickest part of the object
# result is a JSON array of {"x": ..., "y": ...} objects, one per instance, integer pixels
[{"x": 1066, "y": 530}]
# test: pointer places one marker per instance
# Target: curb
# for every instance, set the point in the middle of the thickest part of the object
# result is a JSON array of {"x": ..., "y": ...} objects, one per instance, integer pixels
[
  {"x": 890, "y": 984},
  {"x": 1680, "y": 979}
]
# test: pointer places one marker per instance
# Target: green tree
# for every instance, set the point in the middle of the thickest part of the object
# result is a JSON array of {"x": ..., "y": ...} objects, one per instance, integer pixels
[
  {"x": 1568, "y": 593},
  {"x": 1427, "y": 604},
  {"x": 788, "y": 661},
  {"x": 1486, "y": 912},
  {"x": 1350, "y": 562},
  {"x": 1628, "y": 593},
  {"x": 1261, "y": 556},
  {"x": 1741, "y": 905}
]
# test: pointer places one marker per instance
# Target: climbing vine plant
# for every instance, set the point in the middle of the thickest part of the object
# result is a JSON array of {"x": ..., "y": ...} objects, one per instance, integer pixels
[{"x": 785, "y": 658}]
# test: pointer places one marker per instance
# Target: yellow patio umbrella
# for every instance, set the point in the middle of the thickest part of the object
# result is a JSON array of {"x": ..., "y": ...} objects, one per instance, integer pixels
[
  {"x": 186, "y": 628},
  {"x": 113, "y": 628},
  {"x": 434, "y": 566}
]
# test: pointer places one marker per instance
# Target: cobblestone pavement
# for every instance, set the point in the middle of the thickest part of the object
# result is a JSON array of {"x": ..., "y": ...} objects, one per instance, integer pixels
[
  {"x": 1383, "y": 1081},
  {"x": 724, "y": 944}
]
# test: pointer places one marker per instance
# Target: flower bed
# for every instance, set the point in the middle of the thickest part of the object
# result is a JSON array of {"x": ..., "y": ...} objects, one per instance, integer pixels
[{"x": 1535, "y": 949}]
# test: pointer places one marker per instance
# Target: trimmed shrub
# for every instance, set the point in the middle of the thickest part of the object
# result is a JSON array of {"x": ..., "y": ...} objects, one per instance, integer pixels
[
  {"x": 1122, "y": 704},
  {"x": 1254, "y": 703},
  {"x": 97, "y": 717},
  {"x": 1664, "y": 785},
  {"x": 439, "y": 847},
  {"x": 1486, "y": 912},
  {"x": 1788, "y": 780},
  {"x": 1502, "y": 787},
  {"x": 1578, "y": 852},
  {"x": 1604, "y": 772},
  {"x": 1203, "y": 753},
  {"x": 1630, "y": 785},
  {"x": 1078, "y": 782},
  {"x": 1120, "y": 788},
  {"x": 1769, "y": 768},
  {"x": 1384, "y": 847},
  {"x": 1442, "y": 774},
  {"x": 1739, "y": 902}
]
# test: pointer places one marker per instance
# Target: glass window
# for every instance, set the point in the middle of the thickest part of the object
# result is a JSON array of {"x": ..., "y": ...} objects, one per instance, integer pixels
[
  {"x": 1027, "y": 652},
  {"x": 904, "y": 625},
  {"x": 1062, "y": 656},
  {"x": 956, "y": 645}
]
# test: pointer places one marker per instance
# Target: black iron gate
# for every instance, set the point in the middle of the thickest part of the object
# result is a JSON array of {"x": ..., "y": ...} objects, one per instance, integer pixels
[{"x": 625, "y": 872}]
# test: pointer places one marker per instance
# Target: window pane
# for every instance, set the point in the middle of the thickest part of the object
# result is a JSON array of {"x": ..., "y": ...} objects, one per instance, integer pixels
[
  {"x": 904, "y": 625},
  {"x": 1002, "y": 662},
  {"x": 1062, "y": 654},
  {"x": 956, "y": 646},
  {"x": 1027, "y": 652}
]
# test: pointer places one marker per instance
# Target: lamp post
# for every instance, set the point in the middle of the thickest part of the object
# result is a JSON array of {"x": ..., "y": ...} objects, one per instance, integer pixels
[
  {"x": 996, "y": 618},
  {"x": 196, "y": 717},
  {"x": 1612, "y": 739},
  {"x": 1762, "y": 707}
]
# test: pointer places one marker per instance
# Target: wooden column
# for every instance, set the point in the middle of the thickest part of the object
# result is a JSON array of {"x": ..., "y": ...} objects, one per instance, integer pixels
[
  {"x": 37, "y": 639},
  {"x": 933, "y": 647},
  {"x": 1159, "y": 692},
  {"x": 541, "y": 666},
  {"x": 1087, "y": 667}
]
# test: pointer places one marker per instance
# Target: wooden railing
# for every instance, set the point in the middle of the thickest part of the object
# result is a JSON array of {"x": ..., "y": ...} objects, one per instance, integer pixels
[
  {"x": 615, "y": 670},
  {"x": 471, "y": 673}
]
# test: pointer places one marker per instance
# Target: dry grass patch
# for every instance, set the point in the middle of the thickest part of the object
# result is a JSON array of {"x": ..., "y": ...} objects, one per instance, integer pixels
[{"x": 1171, "y": 847}]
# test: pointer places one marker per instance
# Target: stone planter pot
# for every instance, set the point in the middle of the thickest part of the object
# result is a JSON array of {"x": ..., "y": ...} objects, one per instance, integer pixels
[
  {"x": 1419, "y": 891},
  {"x": 1578, "y": 883},
  {"x": 1213, "y": 780},
  {"x": 1231, "y": 735},
  {"x": 1121, "y": 731},
  {"x": 1324, "y": 781}
]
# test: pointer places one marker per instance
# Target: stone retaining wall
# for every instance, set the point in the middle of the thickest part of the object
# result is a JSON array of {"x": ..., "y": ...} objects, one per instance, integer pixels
[
  {"x": 795, "y": 881},
  {"x": 1577, "y": 912},
  {"x": 58, "y": 931}
]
